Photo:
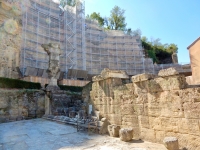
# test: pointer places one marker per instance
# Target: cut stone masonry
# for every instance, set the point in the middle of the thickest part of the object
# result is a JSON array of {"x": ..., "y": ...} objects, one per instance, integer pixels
[{"x": 154, "y": 107}]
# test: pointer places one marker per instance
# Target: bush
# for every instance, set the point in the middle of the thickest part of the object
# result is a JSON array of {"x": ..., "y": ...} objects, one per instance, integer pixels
[
  {"x": 18, "y": 84},
  {"x": 69, "y": 88}
]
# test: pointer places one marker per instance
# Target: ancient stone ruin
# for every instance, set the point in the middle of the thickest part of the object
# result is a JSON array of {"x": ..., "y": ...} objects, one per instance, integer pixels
[
  {"x": 54, "y": 52},
  {"x": 155, "y": 107}
]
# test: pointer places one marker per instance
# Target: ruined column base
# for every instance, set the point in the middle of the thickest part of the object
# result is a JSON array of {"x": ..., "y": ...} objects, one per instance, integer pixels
[
  {"x": 52, "y": 88},
  {"x": 52, "y": 85},
  {"x": 171, "y": 143}
]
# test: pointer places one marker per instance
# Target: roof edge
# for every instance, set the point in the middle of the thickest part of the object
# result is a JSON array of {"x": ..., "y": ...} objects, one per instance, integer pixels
[{"x": 193, "y": 43}]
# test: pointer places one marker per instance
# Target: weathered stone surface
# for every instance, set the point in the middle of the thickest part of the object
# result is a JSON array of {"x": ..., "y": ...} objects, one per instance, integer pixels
[
  {"x": 114, "y": 119},
  {"x": 143, "y": 121},
  {"x": 130, "y": 120},
  {"x": 11, "y": 27},
  {"x": 54, "y": 52},
  {"x": 10, "y": 38},
  {"x": 148, "y": 134},
  {"x": 104, "y": 127},
  {"x": 142, "y": 77},
  {"x": 126, "y": 134},
  {"x": 113, "y": 130},
  {"x": 106, "y": 73},
  {"x": 168, "y": 72},
  {"x": 166, "y": 84},
  {"x": 171, "y": 143},
  {"x": 154, "y": 108},
  {"x": 21, "y": 104},
  {"x": 127, "y": 109},
  {"x": 192, "y": 110}
]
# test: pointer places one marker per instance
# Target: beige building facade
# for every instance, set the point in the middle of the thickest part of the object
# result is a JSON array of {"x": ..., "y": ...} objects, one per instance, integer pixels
[{"x": 194, "y": 50}]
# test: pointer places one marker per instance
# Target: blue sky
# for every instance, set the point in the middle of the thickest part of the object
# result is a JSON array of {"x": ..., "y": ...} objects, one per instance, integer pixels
[{"x": 173, "y": 21}]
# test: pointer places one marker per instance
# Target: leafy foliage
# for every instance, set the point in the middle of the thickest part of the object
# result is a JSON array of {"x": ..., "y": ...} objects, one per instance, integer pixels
[
  {"x": 160, "y": 53},
  {"x": 96, "y": 16},
  {"x": 116, "y": 21},
  {"x": 19, "y": 84}
]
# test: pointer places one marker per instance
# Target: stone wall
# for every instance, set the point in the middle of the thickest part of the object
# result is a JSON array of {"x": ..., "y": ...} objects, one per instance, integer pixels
[
  {"x": 10, "y": 37},
  {"x": 21, "y": 104},
  {"x": 155, "y": 107}
]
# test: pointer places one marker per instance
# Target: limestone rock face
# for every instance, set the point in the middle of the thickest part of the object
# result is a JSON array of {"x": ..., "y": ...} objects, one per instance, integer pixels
[
  {"x": 168, "y": 72},
  {"x": 113, "y": 130},
  {"x": 171, "y": 143},
  {"x": 126, "y": 134},
  {"x": 16, "y": 104},
  {"x": 11, "y": 26},
  {"x": 10, "y": 37}
]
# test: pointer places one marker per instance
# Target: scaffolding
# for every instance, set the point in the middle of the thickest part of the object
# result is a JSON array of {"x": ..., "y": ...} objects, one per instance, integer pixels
[
  {"x": 43, "y": 24},
  {"x": 114, "y": 50},
  {"x": 84, "y": 45}
]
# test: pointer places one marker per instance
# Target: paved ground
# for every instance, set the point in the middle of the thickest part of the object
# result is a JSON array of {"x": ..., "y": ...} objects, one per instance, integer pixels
[{"x": 39, "y": 134}]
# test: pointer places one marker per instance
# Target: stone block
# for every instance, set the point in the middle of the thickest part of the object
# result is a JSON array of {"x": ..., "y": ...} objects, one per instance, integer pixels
[
  {"x": 171, "y": 103},
  {"x": 156, "y": 123},
  {"x": 142, "y": 77},
  {"x": 142, "y": 98},
  {"x": 168, "y": 72},
  {"x": 114, "y": 109},
  {"x": 127, "y": 99},
  {"x": 141, "y": 87},
  {"x": 114, "y": 119},
  {"x": 126, "y": 134},
  {"x": 192, "y": 110},
  {"x": 183, "y": 127},
  {"x": 106, "y": 73},
  {"x": 139, "y": 109},
  {"x": 130, "y": 120},
  {"x": 127, "y": 109},
  {"x": 113, "y": 130},
  {"x": 171, "y": 143},
  {"x": 194, "y": 126},
  {"x": 4, "y": 102},
  {"x": 160, "y": 135},
  {"x": 167, "y": 84},
  {"x": 154, "y": 109},
  {"x": 143, "y": 121},
  {"x": 117, "y": 98},
  {"x": 190, "y": 95},
  {"x": 169, "y": 124},
  {"x": 148, "y": 134}
]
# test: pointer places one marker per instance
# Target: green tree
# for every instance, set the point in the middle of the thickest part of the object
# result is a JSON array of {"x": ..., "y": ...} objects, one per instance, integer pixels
[
  {"x": 144, "y": 39},
  {"x": 172, "y": 48},
  {"x": 97, "y": 16},
  {"x": 117, "y": 19}
]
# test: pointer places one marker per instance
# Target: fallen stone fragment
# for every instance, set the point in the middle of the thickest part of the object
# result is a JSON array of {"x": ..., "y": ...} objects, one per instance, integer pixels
[
  {"x": 126, "y": 134},
  {"x": 171, "y": 143},
  {"x": 113, "y": 130}
]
